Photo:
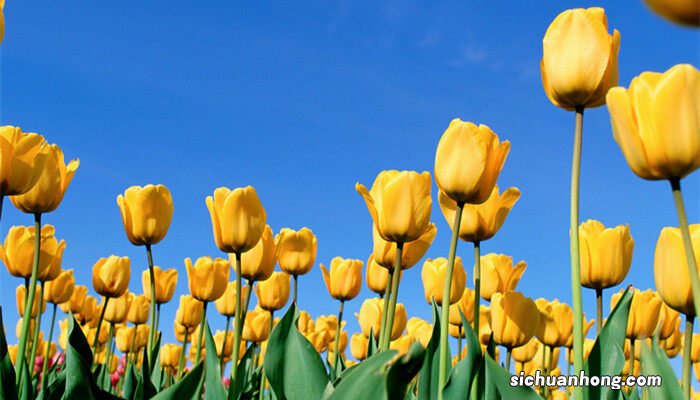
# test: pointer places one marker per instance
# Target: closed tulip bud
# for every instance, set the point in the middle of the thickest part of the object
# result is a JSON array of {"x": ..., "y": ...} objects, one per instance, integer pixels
[
  {"x": 656, "y": 122},
  {"x": 237, "y": 217},
  {"x": 684, "y": 12},
  {"x": 23, "y": 157},
  {"x": 466, "y": 305},
  {"x": 146, "y": 213},
  {"x": 643, "y": 314},
  {"x": 165, "y": 281},
  {"x": 17, "y": 253},
  {"x": 420, "y": 330},
  {"x": 258, "y": 263},
  {"x": 47, "y": 193},
  {"x": 342, "y": 342},
  {"x": 318, "y": 339},
  {"x": 207, "y": 277},
  {"x": 671, "y": 268},
  {"x": 370, "y": 318},
  {"x": 39, "y": 303},
  {"x": 606, "y": 254},
  {"x": 385, "y": 252},
  {"x": 226, "y": 304},
  {"x": 359, "y": 344},
  {"x": 376, "y": 276},
  {"x": 224, "y": 344},
  {"x": 181, "y": 330},
  {"x": 190, "y": 312},
  {"x": 498, "y": 274},
  {"x": 672, "y": 344},
  {"x": 296, "y": 250},
  {"x": 468, "y": 160},
  {"x": 142, "y": 332},
  {"x": 528, "y": 351},
  {"x": 60, "y": 289},
  {"x": 75, "y": 303},
  {"x": 401, "y": 344},
  {"x": 273, "y": 293},
  {"x": 579, "y": 62},
  {"x": 305, "y": 323},
  {"x": 139, "y": 309},
  {"x": 124, "y": 338},
  {"x": 669, "y": 320},
  {"x": 90, "y": 332},
  {"x": 484, "y": 324},
  {"x": 344, "y": 280},
  {"x": 118, "y": 308},
  {"x": 110, "y": 276},
  {"x": 257, "y": 325},
  {"x": 89, "y": 312},
  {"x": 480, "y": 221},
  {"x": 170, "y": 355},
  {"x": 514, "y": 318},
  {"x": 455, "y": 331},
  {"x": 433, "y": 275},
  {"x": 400, "y": 204},
  {"x": 556, "y": 322}
]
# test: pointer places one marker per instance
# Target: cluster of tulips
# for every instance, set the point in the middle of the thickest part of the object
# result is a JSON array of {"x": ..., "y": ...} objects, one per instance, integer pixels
[{"x": 656, "y": 122}]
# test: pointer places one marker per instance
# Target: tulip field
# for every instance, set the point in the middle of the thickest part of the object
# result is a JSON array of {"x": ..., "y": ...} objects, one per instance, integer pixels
[{"x": 486, "y": 337}]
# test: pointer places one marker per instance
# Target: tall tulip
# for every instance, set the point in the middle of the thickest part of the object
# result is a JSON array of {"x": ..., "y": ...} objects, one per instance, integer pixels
[
  {"x": 226, "y": 306},
  {"x": 514, "y": 319},
  {"x": 684, "y": 12},
  {"x": 499, "y": 274},
  {"x": 258, "y": 263},
  {"x": 296, "y": 252},
  {"x": 376, "y": 276},
  {"x": 434, "y": 274},
  {"x": 385, "y": 252},
  {"x": 273, "y": 293},
  {"x": 370, "y": 319},
  {"x": 110, "y": 278},
  {"x": 23, "y": 157}
]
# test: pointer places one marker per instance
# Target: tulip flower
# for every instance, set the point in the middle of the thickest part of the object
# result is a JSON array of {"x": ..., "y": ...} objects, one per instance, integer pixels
[
  {"x": 60, "y": 290},
  {"x": 672, "y": 344},
  {"x": 17, "y": 253},
  {"x": 370, "y": 318},
  {"x": 296, "y": 252},
  {"x": 513, "y": 318},
  {"x": 89, "y": 312},
  {"x": 23, "y": 157},
  {"x": 257, "y": 325},
  {"x": 344, "y": 279},
  {"x": 499, "y": 274},
  {"x": 556, "y": 322},
  {"x": 376, "y": 276},
  {"x": 117, "y": 310},
  {"x": 684, "y": 12},
  {"x": 110, "y": 276},
  {"x": 75, "y": 304},
  {"x": 273, "y": 293},
  {"x": 170, "y": 356},
  {"x": 465, "y": 304},
  {"x": 359, "y": 344},
  {"x": 401, "y": 344},
  {"x": 669, "y": 320},
  {"x": 419, "y": 330},
  {"x": 223, "y": 342},
  {"x": 38, "y": 305},
  {"x": 146, "y": 213},
  {"x": 258, "y": 263},
  {"x": 385, "y": 252},
  {"x": 433, "y": 275},
  {"x": 528, "y": 351},
  {"x": 305, "y": 323},
  {"x": 643, "y": 314},
  {"x": 165, "y": 283},
  {"x": 138, "y": 311},
  {"x": 226, "y": 304},
  {"x": 207, "y": 277},
  {"x": 671, "y": 268},
  {"x": 237, "y": 218}
]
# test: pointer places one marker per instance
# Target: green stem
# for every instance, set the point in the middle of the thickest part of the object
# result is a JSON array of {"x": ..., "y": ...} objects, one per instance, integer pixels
[
  {"x": 687, "y": 243},
  {"x": 131, "y": 352},
  {"x": 395, "y": 279},
  {"x": 385, "y": 306},
  {"x": 543, "y": 363},
  {"x": 631, "y": 361},
  {"x": 574, "y": 249},
  {"x": 155, "y": 335},
  {"x": 222, "y": 363},
  {"x": 181, "y": 362},
  {"x": 99, "y": 325},
  {"x": 27, "y": 317},
  {"x": 37, "y": 329},
  {"x": 509, "y": 352},
  {"x": 108, "y": 356},
  {"x": 238, "y": 321},
  {"x": 337, "y": 334},
  {"x": 459, "y": 343},
  {"x": 477, "y": 285},
  {"x": 261, "y": 391},
  {"x": 687, "y": 348},
  {"x": 152, "y": 324},
  {"x": 296, "y": 283},
  {"x": 201, "y": 332},
  {"x": 44, "y": 368},
  {"x": 599, "y": 308}
]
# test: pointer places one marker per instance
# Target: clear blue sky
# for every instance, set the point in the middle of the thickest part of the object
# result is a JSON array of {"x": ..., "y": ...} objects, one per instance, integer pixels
[{"x": 302, "y": 100}]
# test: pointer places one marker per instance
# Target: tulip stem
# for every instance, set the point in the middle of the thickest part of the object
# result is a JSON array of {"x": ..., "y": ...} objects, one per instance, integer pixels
[
  {"x": 395, "y": 279},
  {"x": 337, "y": 334},
  {"x": 546, "y": 365},
  {"x": 296, "y": 282},
  {"x": 477, "y": 285},
  {"x": 181, "y": 363},
  {"x": 238, "y": 321},
  {"x": 48, "y": 348},
  {"x": 687, "y": 349},
  {"x": 509, "y": 352},
  {"x": 631, "y": 360},
  {"x": 108, "y": 356},
  {"x": 37, "y": 329},
  {"x": 222, "y": 363},
  {"x": 459, "y": 343},
  {"x": 574, "y": 248},
  {"x": 687, "y": 243},
  {"x": 152, "y": 325},
  {"x": 385, "y": 306},
  {"x": 599, "y": 308},
  {"x": 157, "y": 320},
  {"x": 26, "y": 318},
  {"x": 201, "y": 332},
  {"x": 130, "y": 354},
  {"x": 99, "y": 325},
  {"x": 262, "y": 371}
]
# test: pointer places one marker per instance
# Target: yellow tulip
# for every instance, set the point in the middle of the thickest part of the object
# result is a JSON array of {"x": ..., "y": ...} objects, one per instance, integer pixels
[
  {"x": 305, "y": 323},
  {"x": 528, "y": 351},
  {"x": 23, "y": 157},
  {"x": 226, "y": 304},
  {"x": 376, "y": 276},
  {"x": 170, "y": 355},
  {"x": 579, "y": 62},
  {"x": 484, "y": 324},
  {"x": 456, "y": 331},
  {"x": 17, "y": 253},
  {"x": 30, "y": 332},
  {"x": 224, "y": 344},
  {"x": 296, "y": 250},
  {"x": 258, "y": 263},
  {"x": 433, "y": 275},
  {"x": 385, "y": 252},
  {"x": 684, "y": 12},
  {"x": 401, "y": 344},
  {"x": 643, "y": 315},
  {"x": 139, "y": 309},
  {"x": 656, "y": 122},
  {"x": 606, "y": 254},
  {"x": 257, "y": 325},
  {"x": 671, "y": 268},
  {"x": 207, "y": 277},
  {"x": 420, "y": 330},
  {"x": 358, "y": 346},
  {"x": 587, "y": 325},
  {"x": 669, "y": 319},
  {"x": 672, "y": 344},
  {"x": 587, "y": 347},
  {"x": 181, "y": 330},
  {"x": 165, "y": 281},
  {"x": 39, "y": 302},
  {"x": 124, "y": 338},
  {"x": 480, "y": 221},
  {"x": 498, "y": 274},
  {"x": 400, "y": 204},
  {"x": 464, "y": 304},
  {"x": 318, "y": 339},
  {"x": 89, "y": 311},
  {"x": 370, "y": 318},
  {"x": 273, "y": 293},
  {"x": 189, "y": 314},
  {"x": 556, "y": 322},
  {"x": 342, "y": 342},
  {"x": 468, "y": 160},
  {"x": 60, "y": 289},
  {"x": 146, "y": 213},
  {"x": 49, "y": 190},
  {"x": 110, "y": 276},
  {"x": 237, "y": 218},
  {"x": 514, "y": 318},
  {"x": 90, "y": 332},
  {"x": 118, "y": 308},
  {"x": 695, "y": 348},
  {"x": 75, "y": 303},
  {"x": 344, "y": 280}
]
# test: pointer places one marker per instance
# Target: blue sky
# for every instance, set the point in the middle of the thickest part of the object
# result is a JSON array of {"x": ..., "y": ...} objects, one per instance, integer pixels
[{"x": 302, "y": 100}]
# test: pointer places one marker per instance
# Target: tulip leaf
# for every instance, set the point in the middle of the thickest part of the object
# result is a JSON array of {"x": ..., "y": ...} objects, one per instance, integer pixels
[
  {"x": 186, "y": 388},
  {"x": 133, "y": 390},
  {"x": 148, "y": 388},
  {"x": 54, "y": 388},
  {"x": 8, "y": 391},
  {"x": 501, "y": 379},
  {"x": 292, "y": 365},
  {"x": 27, "y": 389},
  {"x": 607, "y": 356},
  {"x": 238, "y": 386},
  {"x": 212, "y": 371},
  {"x": 402, "y": 372},
  {"x": 428, "y": 377},
  {"x": 462, "y": 375},
  {"x": 365, "y": 380},
  {"x": 655, "y": 363},
  {"x": 372, "y": 346},
  {"x": 79, "y": 378}
]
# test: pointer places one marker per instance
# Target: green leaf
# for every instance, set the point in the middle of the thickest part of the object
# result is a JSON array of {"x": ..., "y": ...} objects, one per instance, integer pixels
[
  {"x": 459, "y": 382},
  {"x": 428, "y": 377},
  {"x": 8, "y": 391},
  {"x": 132, "y": 389},
  {"x": 186, "y": 388},
  {"x": 149, "y": 389},
  {"x": 607, "y": 356},
  {"x": 365, "y": 380},
  {"x": 79, "y": 379},
  {"x": 55, "y": 387},
  {"x": 404, "y": 369},
  {"x": 212, "y": 372},
  {"x": 372, "y": 346},
  {"x": 655, "y": 362},
  {"x": 502, "y": 381},
  {"x": 292, "y": 365},
  {"x": 27, "y": 389},
  {"x": 154, "y": 365},
  {"x": 238, "y": 386}
]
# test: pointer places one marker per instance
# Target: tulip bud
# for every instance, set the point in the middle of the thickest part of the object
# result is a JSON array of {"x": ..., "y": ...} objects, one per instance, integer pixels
[
  {"x": 344, "y": 280},
  {"x": 224, "y": 344},
  {"x": 296, "y": 250},
  {"x": 139, "y": 309},
  {"x": 110, "y": 276},
  {"x": 468, "y": 160},
  {"x": 370, "y": 318},
  {"x": 514, "y": 318},
  {"x": 419, "y": 330},
  {"x": 606, "y": 254},
  {"x": 146, "y": 213},
  {"x": 672, "y": 344},
  {"x": 181, "y": 330},
  {"x": 60, "y": 289},
  {"x": 118, "y": 308},
  {"x": 39, "y": 303},
  {"x": 671, "y": 268},
  {"x": 464, "y": 304},
  {"x": 226, "y": 304},
  {"x": 258, "y": 263},
  {"x": 484, "y": 325},
  {"x": 400, "y": 204},
  {"x": 385, "y": 252},
  {"x": 18, "y": 252},
  {"x": 377, "y": 276},
  {"x": 498, "y": 274},
  {"x": 684, "y": 12},
  {"x": 165, "y": 281},
  {"x": 207, "y": 277},
  {"x": 273, "y": 293},
  {"x": 401, "y": 344},
  {"x": 528, "y": 351},
  {"x": 433, "y": 275},
  {"x": 23, "y": 156},
  {"x": 257, "y": 325},
  {"x": 190, "y": 312},
  {"x": 124, "y": 338},
  {"x": 669, "y": 319},
  {"x": 305, "y": 323},
  {"x": 556, "y": 322},
  {"x": 75, "y": 304},
  {"x": 47, "y": 193},
  {"x": 359, "y": 344},
  {"x": 89, "y": 312},
  {"x": 170, "y": 356},
  {"x": 579, "y": 62},
  {"x": 643, "y": 314},
  {"x": 237, "y": 217}
]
